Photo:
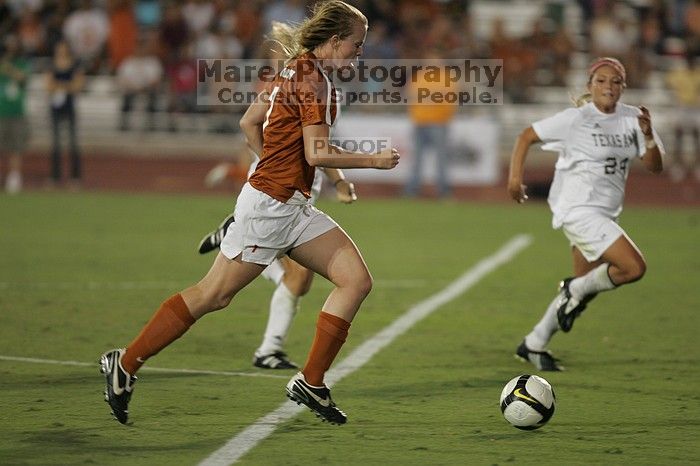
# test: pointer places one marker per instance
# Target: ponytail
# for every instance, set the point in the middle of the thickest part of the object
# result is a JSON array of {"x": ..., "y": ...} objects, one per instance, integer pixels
[
  {"x": 581, "y": 100},
  {"x": 328, "y": 18}
]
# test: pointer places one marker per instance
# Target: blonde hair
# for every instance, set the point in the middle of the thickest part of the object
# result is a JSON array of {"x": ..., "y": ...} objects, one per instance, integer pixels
[
  {"x": 581, "y": 100},
  {"x": 328, "y": 18}
]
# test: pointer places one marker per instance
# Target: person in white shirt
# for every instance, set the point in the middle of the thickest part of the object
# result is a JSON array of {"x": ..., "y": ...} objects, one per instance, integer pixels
[
  {"x": 596, "y": 141},
  {"x": 86, "y": 30},
  {"x": 139, "y": 75}
]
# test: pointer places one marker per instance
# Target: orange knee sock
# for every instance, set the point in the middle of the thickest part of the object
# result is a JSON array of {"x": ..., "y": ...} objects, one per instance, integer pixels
[
  {"x": 331, "y": 332},
  {"x": 168, "y": 324}
]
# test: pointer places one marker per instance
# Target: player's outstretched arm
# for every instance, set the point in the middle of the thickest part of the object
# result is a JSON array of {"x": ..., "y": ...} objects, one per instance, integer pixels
[
  {"x": 319, "y": 152},
  {"x": 516, "y": 188}
]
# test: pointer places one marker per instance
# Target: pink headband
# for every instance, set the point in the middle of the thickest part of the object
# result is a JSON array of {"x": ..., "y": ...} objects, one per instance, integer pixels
[{"x": 607, "y": 61}]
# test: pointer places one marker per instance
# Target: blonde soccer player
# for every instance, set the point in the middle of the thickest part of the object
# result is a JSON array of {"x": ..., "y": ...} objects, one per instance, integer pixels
[
  {"x": 288, "y": 127},
  {"x": 597, "y": 142}
]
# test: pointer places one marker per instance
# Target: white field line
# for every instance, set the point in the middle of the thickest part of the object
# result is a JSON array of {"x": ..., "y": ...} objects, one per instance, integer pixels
[
  {"x": 245, "y": 441},
  {"x": 145, "y": 368}
]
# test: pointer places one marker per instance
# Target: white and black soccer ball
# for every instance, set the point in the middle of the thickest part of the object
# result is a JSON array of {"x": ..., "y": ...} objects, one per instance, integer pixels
[{"x": 527, "y": 402}]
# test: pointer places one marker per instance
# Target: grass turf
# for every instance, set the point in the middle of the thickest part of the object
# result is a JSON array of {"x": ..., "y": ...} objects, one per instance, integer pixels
[{"x": 81, "y": 273}]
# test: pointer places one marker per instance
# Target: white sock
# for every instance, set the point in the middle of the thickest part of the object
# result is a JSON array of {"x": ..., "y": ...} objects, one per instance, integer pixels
[
  {"x": 538, "y": 339},
  {"x": 595, "y": 281},
  {"x": 283, "y": 307}
]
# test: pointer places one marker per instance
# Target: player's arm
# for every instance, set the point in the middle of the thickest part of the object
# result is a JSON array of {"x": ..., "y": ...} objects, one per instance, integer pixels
[
  {"x": 525, "y": 139},
  {"x": 252, "y": 123},
  {"x": 320, "y": 152},
  {"x": 344, "y": 190},
  {"x": 652, "y": 157}
]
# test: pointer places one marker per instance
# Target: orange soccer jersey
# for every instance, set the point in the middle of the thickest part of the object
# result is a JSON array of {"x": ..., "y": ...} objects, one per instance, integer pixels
[{"x": 300, "y": 95}]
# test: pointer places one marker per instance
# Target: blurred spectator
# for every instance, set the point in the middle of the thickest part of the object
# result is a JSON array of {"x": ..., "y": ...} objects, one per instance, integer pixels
[
  {"x": 611, "y": 34},
  {"x": 442, "y": 34},
  {"x": 199, "y": 15},
  {"x": 540, "y": 41},
  {"x": 182, "y": 79},
  {"x": 64, "y": 81},
  {"x": 430, "y": 127},
  {"x": 32, "y": 34},
  {"x": 684, "y": 81},
  {"x": 6, "y": 18},
  {"x": 14, "y": 127},
  {"x": 415, "y": 17},
  {"x": 54, "y": 16},
  {"x": 86, "y": 31},
  {"x": 471, "y": 45},
  {"x": 519, "y": 62},
  {"x": 247, "y": 28},
  {"x": 173, "y": 33},
  {"x": 692, "y": 28},
  {"x": 379, "y": 44},
  {"x": 123, "y": 31},
  {"x": 563, "y": 49},
  {"x": 148, "y": 13},
  {"x": 140, "y": 75}
]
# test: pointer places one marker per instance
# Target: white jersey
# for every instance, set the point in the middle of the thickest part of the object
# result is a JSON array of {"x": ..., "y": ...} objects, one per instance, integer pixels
[
  {"x": 595, "y": 151},
  {"x": 315, "y": 187}
]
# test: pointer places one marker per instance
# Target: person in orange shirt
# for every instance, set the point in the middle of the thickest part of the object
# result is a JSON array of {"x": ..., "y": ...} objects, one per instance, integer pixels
[
  {"x": 288, "y": 127},
  {"x": 431, "y": 123}
]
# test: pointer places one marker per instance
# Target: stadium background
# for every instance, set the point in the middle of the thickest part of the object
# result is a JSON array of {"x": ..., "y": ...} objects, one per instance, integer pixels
[{"x": 545, "y": 46}]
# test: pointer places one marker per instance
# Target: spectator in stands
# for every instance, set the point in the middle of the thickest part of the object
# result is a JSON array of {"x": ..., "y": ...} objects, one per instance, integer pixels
[
  {"x": 692, "y": 28},
  {"x": 684, "y": 81},
  {"x": 54, "y": 16},
  {"x": 31, "y": 33},
  {"x": 14, "y": 128},
  {"x": 563, "y": 49},
  {"x": 173, "y": 34},
  {"x": 7, "y": 21},
  {"x": 64, "y": 81},
  {"x": 247, "y": 27},
  {"x": 430, "y": 128},
  {"x": 86, "y": 31},
  {"x": 140, "y": 75},
  {"x": 182, "y": 85},
  {"x": 199, "y": 15},
  {"x": 123, "y": 31},
  {"x": 519, "y": 62},
  {"x": 380, "y": 45},
  {"x": 597, "y": 141}
]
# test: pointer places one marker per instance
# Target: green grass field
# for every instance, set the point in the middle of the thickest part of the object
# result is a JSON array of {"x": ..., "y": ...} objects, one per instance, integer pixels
[{"x": 81, "y": 273}]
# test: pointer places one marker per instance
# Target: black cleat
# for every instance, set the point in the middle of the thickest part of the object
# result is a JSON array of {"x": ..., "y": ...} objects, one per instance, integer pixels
[
  {"x": 317, "y": 399},
  {"x": 542, "y": 360},
  {"x": 120, "y": 385},
  {"x": 214, "y": 238},
  {"x": 276, "y": 360},
  {"x": 569, "y": 307}
]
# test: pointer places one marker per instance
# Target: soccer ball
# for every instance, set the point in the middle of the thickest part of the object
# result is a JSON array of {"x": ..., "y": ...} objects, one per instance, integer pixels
[{"x": 527, "y": 402}]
